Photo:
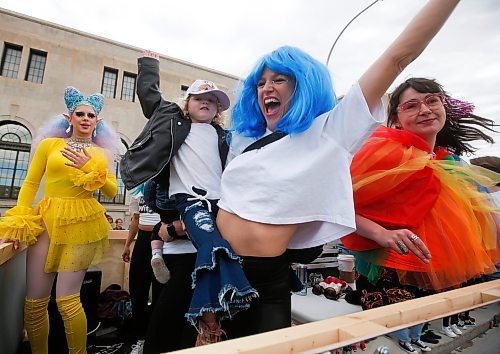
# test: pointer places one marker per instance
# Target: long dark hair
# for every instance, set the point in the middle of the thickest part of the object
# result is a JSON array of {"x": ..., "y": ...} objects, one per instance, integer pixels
[{"x": 461, "y": 124}]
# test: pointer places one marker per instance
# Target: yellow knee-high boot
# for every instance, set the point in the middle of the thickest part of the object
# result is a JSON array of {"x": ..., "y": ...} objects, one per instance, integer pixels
[
  {"x": 36, "y": 321},
  {"x": 75, "y": 322}
]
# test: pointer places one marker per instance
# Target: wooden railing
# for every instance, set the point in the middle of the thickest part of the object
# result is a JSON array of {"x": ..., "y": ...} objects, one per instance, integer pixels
[{"x": 320, "y": 336}]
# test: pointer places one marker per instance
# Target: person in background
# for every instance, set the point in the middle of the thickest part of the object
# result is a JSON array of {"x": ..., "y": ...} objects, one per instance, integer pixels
[
  {"x": 67, "y": 230},
  {"x": 420, "y": 211},
  {"x": 118, "y": 224},
  {"x": 110, "y": 220},
  {"x": 141, "y": 277},
  {"x": 168, "y": 329}
]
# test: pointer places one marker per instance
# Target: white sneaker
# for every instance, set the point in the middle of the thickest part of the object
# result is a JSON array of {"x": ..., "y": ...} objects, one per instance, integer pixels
[
  {"x": 137, "y": 348},
  {"x": 447, "y": 331},
  {"x": 421, "y": 345},
  {"x": 160, "y": 270},
  {"x": 455, "y": 329}
]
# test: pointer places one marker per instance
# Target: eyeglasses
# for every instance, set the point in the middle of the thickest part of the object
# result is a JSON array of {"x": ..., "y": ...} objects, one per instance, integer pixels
[
  {"x": 275, "y": 82},
  {"x": 82, "y": 114},
  {"x": 413, "y": 106}
]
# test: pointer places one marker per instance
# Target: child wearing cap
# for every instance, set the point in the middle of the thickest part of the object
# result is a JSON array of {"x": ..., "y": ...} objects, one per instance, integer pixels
[{"x": 220, "y": 286}]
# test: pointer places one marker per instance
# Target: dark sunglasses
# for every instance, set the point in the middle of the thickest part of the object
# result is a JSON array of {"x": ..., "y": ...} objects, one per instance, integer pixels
[{"x": 82, "y": 114}]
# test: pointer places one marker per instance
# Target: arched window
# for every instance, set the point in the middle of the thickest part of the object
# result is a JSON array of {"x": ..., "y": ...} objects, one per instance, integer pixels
[
  {"x": 120, "y": 195},
  {"x": 15, "y": 143}
]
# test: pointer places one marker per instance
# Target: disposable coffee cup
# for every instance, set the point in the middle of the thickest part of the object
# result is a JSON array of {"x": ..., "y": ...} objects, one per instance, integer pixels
[{"x": 346, "y": 267}]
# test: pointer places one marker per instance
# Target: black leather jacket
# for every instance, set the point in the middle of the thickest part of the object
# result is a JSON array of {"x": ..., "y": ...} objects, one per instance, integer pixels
[{"x": 150, "y": 154}]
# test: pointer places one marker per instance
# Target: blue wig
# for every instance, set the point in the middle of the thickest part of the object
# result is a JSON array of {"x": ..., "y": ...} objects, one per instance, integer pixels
[
  {"x": 313, "y": 94},
  {"x": 138, "y": 191}
]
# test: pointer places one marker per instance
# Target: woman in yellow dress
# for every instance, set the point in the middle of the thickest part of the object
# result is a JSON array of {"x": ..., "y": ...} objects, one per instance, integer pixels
[{"x": 66, "y": 231}]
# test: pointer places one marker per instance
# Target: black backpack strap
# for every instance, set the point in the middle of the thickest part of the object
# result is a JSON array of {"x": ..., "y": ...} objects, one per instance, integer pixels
[
  {"x": 268, "y": 139},
  {"x": 223, "y": 145}
]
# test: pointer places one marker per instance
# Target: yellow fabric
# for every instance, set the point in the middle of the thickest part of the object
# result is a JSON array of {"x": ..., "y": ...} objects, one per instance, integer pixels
[
  {"x": 22, "y": 224},
  {"x": 36, "y": 321},
  {"x": 74, "y": 220},
  {"x": 75, "y": 322}
]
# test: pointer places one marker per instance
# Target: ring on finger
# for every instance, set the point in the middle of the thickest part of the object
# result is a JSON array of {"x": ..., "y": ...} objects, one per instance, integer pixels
[
  {"x": 413, "y": 237},
  {"x": 402, "y": 247}
]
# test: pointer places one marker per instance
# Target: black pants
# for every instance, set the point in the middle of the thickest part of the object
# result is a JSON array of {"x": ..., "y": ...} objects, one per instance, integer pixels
[
  {"x": 453, "y": 319},
  {"x": 141, "y": 278},
  {"x": 272, "y": 310},
  {"x": 168, "y": 328}
]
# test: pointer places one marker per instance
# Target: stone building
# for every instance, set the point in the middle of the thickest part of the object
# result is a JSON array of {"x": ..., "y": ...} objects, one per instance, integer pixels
[{"x": 39, "y": 59}]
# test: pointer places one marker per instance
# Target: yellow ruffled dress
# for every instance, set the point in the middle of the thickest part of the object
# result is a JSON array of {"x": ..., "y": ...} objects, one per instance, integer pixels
[{"x": 74, "y": 220}]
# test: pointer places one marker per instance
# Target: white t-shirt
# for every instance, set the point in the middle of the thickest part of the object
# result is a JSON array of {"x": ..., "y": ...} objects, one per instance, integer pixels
[
  {"x": 178, "y": 247},
  {"x": 197, "y": 163},
  {"x": 302, "y": 178},
  {"x": 147, "y": 216}
]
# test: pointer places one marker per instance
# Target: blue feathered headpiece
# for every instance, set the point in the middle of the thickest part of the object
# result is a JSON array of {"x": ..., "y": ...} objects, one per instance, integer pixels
[{"x": 73, "y": 98}]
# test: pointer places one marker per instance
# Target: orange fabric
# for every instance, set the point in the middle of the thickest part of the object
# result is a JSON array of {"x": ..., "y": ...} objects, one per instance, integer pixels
[{"x": 399, "y": 184}]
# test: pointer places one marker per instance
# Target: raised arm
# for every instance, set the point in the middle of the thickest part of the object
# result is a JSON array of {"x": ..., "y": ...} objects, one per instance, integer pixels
[
  {"x": 405, "y": 49},
  {"x": 148, "y": 82}
]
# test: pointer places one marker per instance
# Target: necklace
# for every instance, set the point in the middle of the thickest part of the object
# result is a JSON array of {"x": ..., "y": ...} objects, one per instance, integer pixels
[{"x": 77, "y": 144}]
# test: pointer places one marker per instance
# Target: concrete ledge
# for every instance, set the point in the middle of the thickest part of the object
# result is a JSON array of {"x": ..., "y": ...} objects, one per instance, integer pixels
[
  {"x": 484, "y": 316},
  {"x": 483, "y": 322}
]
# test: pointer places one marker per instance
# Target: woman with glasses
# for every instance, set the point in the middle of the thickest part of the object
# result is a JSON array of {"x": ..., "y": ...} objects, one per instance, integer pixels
[
  {"x": 296, "y": 193},
  {"x": 423, "y": 222},
  {"x": 67, "y": 230}
]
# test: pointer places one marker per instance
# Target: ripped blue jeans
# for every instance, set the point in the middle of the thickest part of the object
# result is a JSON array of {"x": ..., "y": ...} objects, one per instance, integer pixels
[{"x": 218, "y": 280}]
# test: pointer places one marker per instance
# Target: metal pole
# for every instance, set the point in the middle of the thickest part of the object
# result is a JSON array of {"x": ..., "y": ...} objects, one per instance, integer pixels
[{"x": 340, "y": 34}]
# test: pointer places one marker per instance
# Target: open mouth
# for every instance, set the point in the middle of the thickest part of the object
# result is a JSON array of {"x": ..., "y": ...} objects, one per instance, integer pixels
[{"x": 272, "y": 106}]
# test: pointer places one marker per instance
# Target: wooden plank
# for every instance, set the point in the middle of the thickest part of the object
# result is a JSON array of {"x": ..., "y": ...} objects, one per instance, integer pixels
[
  {"x": 118, "y": 234},
  {"x": 490, "y": 295},
  {"x": 112, "y": 264},
  {"x": 7, "y": 251},
  {"x": 317, "y": 337}
]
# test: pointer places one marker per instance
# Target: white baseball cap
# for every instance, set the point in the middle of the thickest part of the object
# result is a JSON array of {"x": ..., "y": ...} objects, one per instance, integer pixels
[{"x": 204, "y": 86}]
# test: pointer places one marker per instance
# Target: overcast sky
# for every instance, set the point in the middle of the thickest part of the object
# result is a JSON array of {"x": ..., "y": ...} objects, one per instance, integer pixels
[{"x": 230, "y": 35}]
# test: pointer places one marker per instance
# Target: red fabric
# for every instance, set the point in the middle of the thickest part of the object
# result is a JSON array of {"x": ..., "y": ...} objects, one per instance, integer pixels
[
  {"x": 392, "y": 207},
  {"x": 399, "y": 183}
]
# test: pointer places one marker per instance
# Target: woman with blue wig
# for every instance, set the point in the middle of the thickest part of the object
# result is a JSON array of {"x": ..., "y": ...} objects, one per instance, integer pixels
[{"x": 295, "y": 192}]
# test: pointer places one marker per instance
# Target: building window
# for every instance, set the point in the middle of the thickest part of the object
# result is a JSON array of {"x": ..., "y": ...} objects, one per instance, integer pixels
[
  {"x": 109, "y": 82},
  {"x": 128, "y": 87},
  {"x": 36, "y": 66},
  {"x": 15, "y": 143},
  {"x": 11, "y": 59},
  {"x": 119, "y": 198}
]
